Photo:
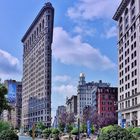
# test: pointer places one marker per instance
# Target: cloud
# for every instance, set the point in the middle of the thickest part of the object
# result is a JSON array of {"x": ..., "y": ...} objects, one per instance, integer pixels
[
  {"x": 93, "y": 9},
  {"x": 72, "y": 51},
  {"x": 85, "y": 31},
  {"x": 65, "y": 90},
  {"x": 9, "y": 64},
  {"x": 112, "y": 32},
  {"x": 61, "y": 78}
]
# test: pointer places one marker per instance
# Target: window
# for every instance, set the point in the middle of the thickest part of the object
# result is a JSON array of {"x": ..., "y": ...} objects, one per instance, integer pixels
[
  {"x": 128, "y": 103},
  {"x": 40, "y": 27},
  {"x": 133, "y": 102},
  {"x": 133, "y": 2},
  {"x": 136, "y": 101},
  {"x": 120, "y": 21},
  {"x": 126, "y": 11},
  {"x": 43, "y": 24},
  {"x": 37, "y": 30},
  {"x": 135, "y": 90}
]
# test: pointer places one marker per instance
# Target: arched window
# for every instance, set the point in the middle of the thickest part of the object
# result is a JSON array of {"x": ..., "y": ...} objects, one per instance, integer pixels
[
  {"x": 126, "y": 11},
  {"x": 30, "y": 40},
  {"x": 120, "y": 21},
  {"x": 40, "y": 27},
  {"x": 28, "y": 43},
  {"x": 32, "y": 37},
  {"x": 132, "y": 2},
  {"x": 37, "y": 30},
  {"x": 43, "y": 24},
  {"x": 34, "y": 34}
]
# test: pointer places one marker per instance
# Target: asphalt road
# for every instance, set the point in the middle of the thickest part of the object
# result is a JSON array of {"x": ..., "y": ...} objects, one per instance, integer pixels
[{"x": 24, "y": 138}]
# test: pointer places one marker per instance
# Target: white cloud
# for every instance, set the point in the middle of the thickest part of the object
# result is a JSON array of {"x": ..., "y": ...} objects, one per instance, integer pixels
[
  {"x": 92, "y": 9},
  {"x": 85, "y": 31},
  {"x": 112, "y": 32},
  {"x": 61, "y": 78},
  {"x": 65, "y": 90},
  {"x": 72, "y": 51},
  {"x": 9, "y": 65}
]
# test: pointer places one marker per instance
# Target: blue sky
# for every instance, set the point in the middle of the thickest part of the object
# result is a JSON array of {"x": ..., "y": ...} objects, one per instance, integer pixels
[{"x": 85, "y": 39}]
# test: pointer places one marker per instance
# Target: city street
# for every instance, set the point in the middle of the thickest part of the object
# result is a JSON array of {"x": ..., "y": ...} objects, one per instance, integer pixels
[
  {"x": 27, "y": 138},
  {"x": 24, "y": 138}
]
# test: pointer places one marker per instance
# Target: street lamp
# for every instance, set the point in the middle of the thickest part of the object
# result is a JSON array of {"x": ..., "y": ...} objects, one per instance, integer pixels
[{"x": 78, "y": 128}]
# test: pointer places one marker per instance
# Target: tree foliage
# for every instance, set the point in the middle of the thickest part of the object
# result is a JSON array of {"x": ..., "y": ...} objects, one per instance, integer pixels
[
  {"x": 40, "y": 126},
  {"x": 136, "y": 131},
  {"x": 115, "y": 133},
  {"x": 96, "y": 119},
  {"x": 4, "y": 126},
  {"x": 47, "y": 132},
  {"x": 66, "y": 120},
  {"x": 8, "y": 135},
  {"x": 3, "y": 102}
]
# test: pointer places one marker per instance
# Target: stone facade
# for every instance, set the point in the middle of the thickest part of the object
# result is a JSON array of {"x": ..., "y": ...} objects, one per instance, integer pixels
[
  {"x": 86, "y": 94},
  {"x": 128, "y": 18},
  {"x": 37, "y": 59},
  {"x": 72, "y": 104}
]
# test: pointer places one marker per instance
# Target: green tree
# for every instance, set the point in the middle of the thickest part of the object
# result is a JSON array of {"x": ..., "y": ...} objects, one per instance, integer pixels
[
  {"x": 8, "y": 135},
  {"x": 61, "y": 127},
  {"x": 69, "y": 128},
  {"x": 4, "y": 126},
  {"x": 3, "y": 102},
  {"x": 47, "y": 132},
  {"x": 40, "y": 126},
  {"x": 136, "y": 131},
  {"x": 115, "y": 133}
]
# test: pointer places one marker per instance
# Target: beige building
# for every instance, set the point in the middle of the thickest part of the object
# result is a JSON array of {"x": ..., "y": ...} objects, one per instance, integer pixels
[
  {"x": 71, "y": 104},
  {"x": 128, "y": 18},
  {"x": 36, "y": 99}
]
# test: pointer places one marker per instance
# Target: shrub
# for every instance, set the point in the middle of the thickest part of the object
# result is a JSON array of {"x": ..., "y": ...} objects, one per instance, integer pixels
[
  {"x": 55, "y": 134},
  {"x": 129, "y": 129},
  {"x": 136, "y": 131},
  {"x": 4, "y": 126},
  {"x": 61, "y": 127},
  {"x": 106, "y": 129},
  {"x": 8, "y": 135},
  {"x": 55, "y": 137},
  {"x": 92, "y": 129},
  {"x": 55, "y": 131},
  {"x": 47, "y": 132},
  {"x": 115, "y": 133},
  {"x": 40, "y": 126},
  {"x": 30, "y": 132},
  {"x": 69, "y": 128},
  {"x": 83, "y": 128},
  {"x": 74, "y": 131}
]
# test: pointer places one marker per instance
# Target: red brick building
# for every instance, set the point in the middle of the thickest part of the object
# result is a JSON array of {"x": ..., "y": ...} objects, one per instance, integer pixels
[{"x": 107, "y": 101}]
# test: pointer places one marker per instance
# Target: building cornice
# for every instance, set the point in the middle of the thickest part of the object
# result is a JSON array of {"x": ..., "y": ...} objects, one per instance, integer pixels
[
  {"x": 120, "y": 9},
  {"x": 130, "y": 97},
  {"x": 45, "y": 7},
  {"x": 126, "y": 109}
]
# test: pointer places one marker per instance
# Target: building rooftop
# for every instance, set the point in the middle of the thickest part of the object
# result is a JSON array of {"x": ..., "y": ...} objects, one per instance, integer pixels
[
  {"x": 120, "y": 9},
  {"x": 82, "y": 75},
  {"x": 45, "y": 7}
]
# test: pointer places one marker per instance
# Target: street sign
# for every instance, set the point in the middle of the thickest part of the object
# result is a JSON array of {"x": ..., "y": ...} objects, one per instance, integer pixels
[
  {"x": 88, "y": 128},
  {"x": 123, "y": 123}
]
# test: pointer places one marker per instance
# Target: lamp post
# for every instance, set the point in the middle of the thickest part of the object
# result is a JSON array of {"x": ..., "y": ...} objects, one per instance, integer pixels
[
  {"x": 33, "y": 132},
  {"x": 78, "y": 128}
]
